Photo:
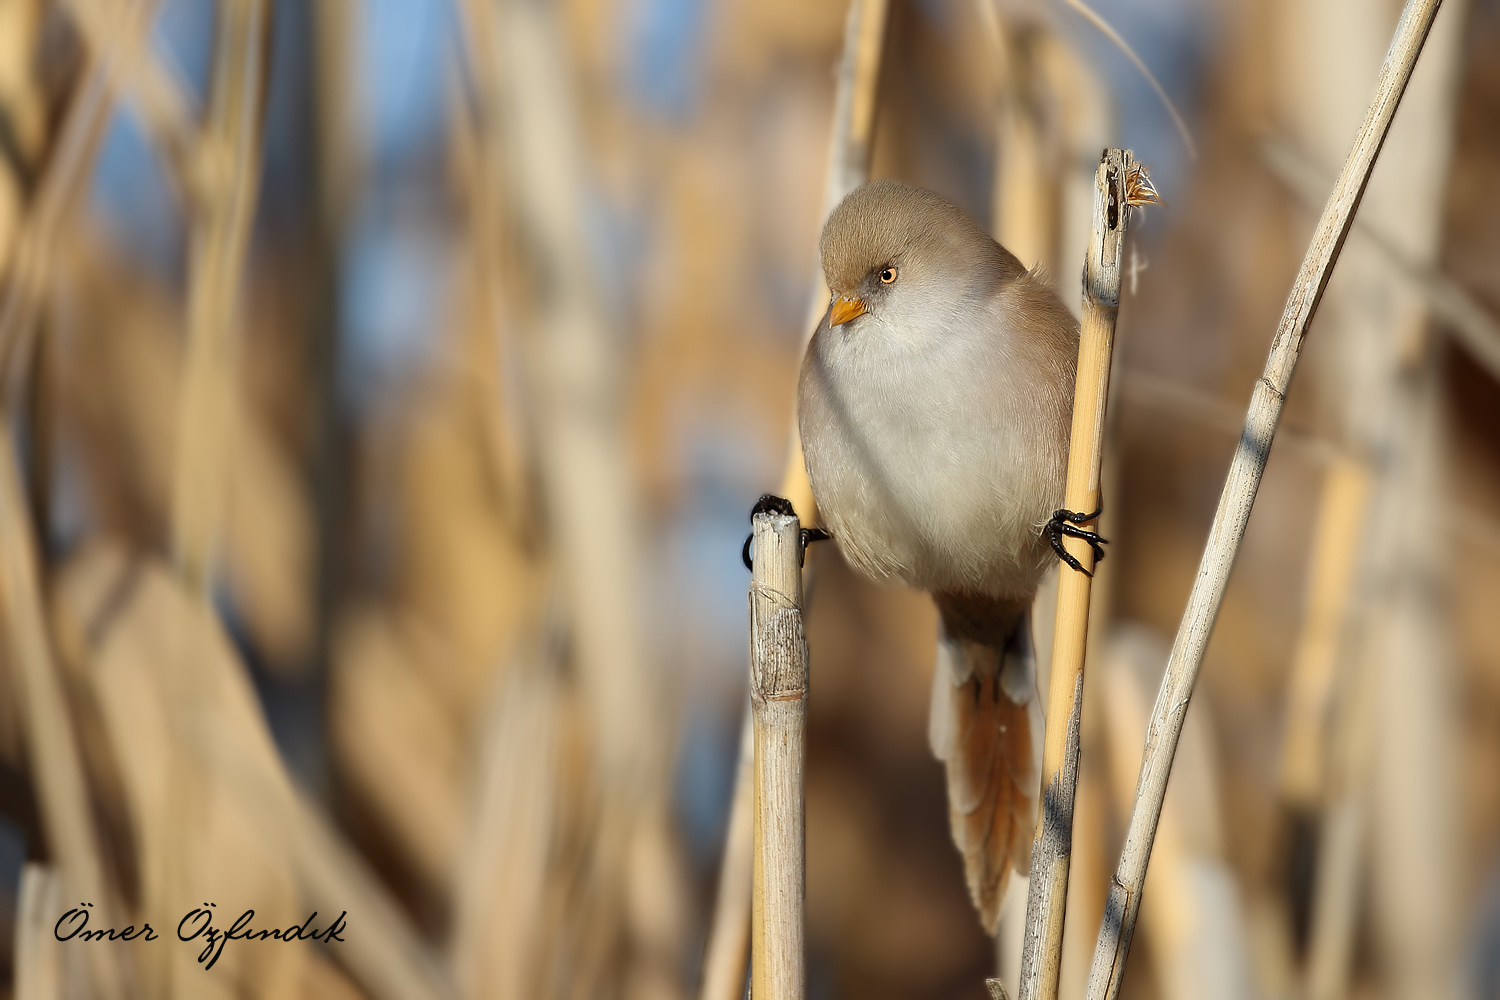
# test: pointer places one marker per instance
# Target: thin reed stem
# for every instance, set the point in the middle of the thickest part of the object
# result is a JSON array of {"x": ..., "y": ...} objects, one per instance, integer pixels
[
  {"x": 1471, "y": 323},
  {"x": 56, "y": 765},
  {"x": 778, "y": 699},
  {"x": 1235, "y": 502},
  {"x": 851, "y": 143},
  {"x": 724, "y": 957},
  {"x": 1046, "y": 905},
  {"x": 230, "y": 150},
  {"x": 120, "y": 38},
  {"x": 52, "y": 744},
  {"x": 31, "y": 262},
  {"x": 854, "y": 106}
]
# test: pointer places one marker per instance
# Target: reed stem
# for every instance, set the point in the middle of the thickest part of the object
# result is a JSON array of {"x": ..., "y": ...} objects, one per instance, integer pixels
[
  {"x": 1235, "y": 502},
  {"x": 851, "y": 143},
  {"x": 778, "y": 699},
  {"x": 1046, "y": 905},
  {"x": 724, "y": 957}
]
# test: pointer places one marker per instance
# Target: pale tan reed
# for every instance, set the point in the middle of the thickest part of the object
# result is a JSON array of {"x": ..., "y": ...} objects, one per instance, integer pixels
[
  {"x": 1041, "y": 957},
  {"x": 1238, "y": 496},
  {"x": 778, "y": 701}
]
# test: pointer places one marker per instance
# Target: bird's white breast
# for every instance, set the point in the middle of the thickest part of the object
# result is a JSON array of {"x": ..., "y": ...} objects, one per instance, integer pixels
[{"x": 936, "y": 444}]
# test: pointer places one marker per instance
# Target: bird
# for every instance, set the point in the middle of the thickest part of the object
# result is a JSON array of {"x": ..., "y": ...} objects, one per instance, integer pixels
[{"x": 934, "y": 405}]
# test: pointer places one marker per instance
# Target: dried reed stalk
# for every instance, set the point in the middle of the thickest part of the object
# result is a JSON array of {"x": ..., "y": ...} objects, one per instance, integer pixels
[
  {"x": 1024, "y": 195},
  {"x": 1238, "y": 496},
  {"x": 51, "y": 742},
  {"x": 778, "y": 700},
  {"x": 66, "y": 171},
  {"x": 572, "y": 374},
  {"x": 388, "y": 957},
  {"x": 1204, "y": 409},
  {"x": 1389, "y": 842},
  {"x": 1041, "y": 956},
  {"x": 853, "y": 141},
  {"x": 52, "y": 748},
  {"x": 218, "y": 721},
  {"x": 1471, "y": 323},
  {"x": 31, "y": 262},
  {"x": 119, "y": 37},
  {"x": 724, "y": 955},
  {"x": 25, "y": 99},
  {"x": 38, "y": 972},
  {"x": 477, "y": 146},
  {"x": 230, "y": 149},
  {"x": 334, "y": 144},
  {"x": 850, "y": 147},
  {"x": 1108, "y": 31},
  {"x": 1049, "y": 130},
  {"x": 1338, "y": 535},
  {"x": 589, "y": 502},
  {"x": 1195, "y": 926},
  {"x": 496, "y": 950},
  {"x": 1342, "y": 838}
]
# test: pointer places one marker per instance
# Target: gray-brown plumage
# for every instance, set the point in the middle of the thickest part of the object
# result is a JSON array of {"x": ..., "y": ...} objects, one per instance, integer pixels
[{"x": 934, "y": 405}]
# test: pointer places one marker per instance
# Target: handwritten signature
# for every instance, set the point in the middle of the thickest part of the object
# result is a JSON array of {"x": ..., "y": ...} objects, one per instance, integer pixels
[{"x": 198, "y": 924}]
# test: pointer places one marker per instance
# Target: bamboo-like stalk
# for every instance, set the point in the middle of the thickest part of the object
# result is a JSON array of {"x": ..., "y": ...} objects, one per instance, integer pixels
[
  {"x": 1342, "y": 840},
  {"x": 495, "y": 951},
  {"x": 498, "y": 292},
  {"x": 724, "y": 957},
  {"x": 1388, "y": 849},
  {"x": 1471, "y": 323},
  {"x": 1191, "y": 911},
  {"x": 571, "y": 372},
  {"x": 855, "y": 102},
  {"x": 1462, "y": 520},
  {"x": 38, "y": 972},
  {"x": 221, "y": 240},
  {"x": 120, "y": 38},
  {"x": 778, "y": 700},
  {"x": 589, "y": 505},
  {"x": 1046, "y": 904},
  {"x": 1238, "y": 496},
  {"x": 229, "y": 149},
  {"x": 31, "y": 261},
  {"x": 1048, "y": 134},
  {"x": 1338, "y": 534},
  {"x": 334, "y": 143},
  {"x": 851, "y": 143},
  {"x": 389, "y": 959},
  {"x": 223, "y": 729},
  {"x": 1024, "y": 192},
  {"x": 52, "y": 747}
]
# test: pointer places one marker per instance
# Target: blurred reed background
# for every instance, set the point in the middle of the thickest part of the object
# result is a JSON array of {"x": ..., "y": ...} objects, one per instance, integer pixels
[{"x": 384, "y": 386}]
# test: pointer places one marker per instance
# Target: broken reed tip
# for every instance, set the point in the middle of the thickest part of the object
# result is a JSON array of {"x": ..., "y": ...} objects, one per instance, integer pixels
[{"x": 1138, "y": 188}]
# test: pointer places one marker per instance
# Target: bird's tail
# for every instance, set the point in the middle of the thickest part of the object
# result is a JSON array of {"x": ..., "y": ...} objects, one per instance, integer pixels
[{"x": 986, "y": 727}]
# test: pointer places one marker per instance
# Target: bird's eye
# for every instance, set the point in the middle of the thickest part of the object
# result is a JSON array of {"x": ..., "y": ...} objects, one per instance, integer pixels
[{"x": 887, "y": 275}]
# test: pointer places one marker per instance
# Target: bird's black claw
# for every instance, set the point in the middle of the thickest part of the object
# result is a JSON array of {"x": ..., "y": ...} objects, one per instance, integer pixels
[
  {"x": 770, "y": 503},
  {"x": 1066, "y": 522},
  {"x": 810, "y": 535}
]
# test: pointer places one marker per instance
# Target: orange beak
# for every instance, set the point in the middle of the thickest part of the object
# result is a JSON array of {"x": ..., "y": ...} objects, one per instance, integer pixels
[{"x": 844, "y": 309}]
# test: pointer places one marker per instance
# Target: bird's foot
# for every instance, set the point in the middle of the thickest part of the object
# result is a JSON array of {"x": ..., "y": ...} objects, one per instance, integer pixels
[
  {"x": 1066, "y": 522},
  {"x": 772, "y": 504}
]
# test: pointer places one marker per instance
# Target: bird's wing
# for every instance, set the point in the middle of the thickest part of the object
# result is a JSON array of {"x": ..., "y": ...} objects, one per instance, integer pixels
[{"x": 986, "y": 727}]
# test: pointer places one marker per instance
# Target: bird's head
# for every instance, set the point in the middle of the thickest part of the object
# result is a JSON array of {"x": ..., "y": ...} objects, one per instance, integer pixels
[{"x": 900, "y": 253}]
